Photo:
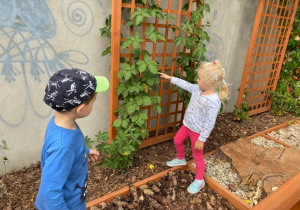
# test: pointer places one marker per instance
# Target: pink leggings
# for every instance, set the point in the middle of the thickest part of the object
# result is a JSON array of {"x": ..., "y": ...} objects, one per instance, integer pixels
[{"x": 180, "y": 137}]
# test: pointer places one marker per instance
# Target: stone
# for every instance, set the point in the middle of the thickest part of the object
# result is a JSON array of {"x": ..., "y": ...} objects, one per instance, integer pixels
[
  {"x": 142, "y": 187},
  {"x": 155, "y": 188},
  {"x": 148, "y": 192},
  {"x": 213, "y": 200},
  {"x": 195, "y": 201},
  {"x": 102, "y": 205},
  {"x": 174, "y": 181}
]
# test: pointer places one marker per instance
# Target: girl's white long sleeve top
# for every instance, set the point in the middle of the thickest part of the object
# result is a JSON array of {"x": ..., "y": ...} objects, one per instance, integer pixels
[{"x": 202, "y": 111}]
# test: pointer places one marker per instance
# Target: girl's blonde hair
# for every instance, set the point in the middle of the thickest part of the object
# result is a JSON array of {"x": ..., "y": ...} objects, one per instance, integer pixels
[{"x": 213, "y": 74}]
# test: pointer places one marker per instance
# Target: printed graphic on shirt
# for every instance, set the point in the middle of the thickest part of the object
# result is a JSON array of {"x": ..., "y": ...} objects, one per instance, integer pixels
[{"x": 83, "y": 190}]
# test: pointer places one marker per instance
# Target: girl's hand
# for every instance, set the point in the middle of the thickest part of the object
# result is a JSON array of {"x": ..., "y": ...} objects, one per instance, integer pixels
[
  {"x": 93, "y": 155},
  {"x": 165, "y": 76},
  {"x": 199, "y": 145}
]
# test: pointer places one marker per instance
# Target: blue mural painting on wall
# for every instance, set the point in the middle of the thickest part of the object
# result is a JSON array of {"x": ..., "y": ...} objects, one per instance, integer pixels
[{"x": 25, "y": 51}]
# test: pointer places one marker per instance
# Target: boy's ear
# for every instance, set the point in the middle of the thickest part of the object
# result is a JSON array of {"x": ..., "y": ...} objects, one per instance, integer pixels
[{"x": 79, "y": 108}]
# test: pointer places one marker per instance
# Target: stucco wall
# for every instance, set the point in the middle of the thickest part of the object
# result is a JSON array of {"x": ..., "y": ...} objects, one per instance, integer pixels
[{"x": 37, "y": 40}]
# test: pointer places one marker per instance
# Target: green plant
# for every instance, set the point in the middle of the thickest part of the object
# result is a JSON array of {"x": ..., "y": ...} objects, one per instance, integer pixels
[
  {"x": 286, "y": 97},
  {"x": 241, "y": 112},
  {"x": 223, "y": 104},
  {"x": 139, "y": 78},
  {"x": 88, "y": 142},
  {"x": 3, "y": 146}
]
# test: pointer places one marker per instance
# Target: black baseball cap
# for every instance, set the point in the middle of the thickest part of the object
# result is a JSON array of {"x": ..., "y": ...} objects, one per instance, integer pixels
[{"x": 68, "y": 88}]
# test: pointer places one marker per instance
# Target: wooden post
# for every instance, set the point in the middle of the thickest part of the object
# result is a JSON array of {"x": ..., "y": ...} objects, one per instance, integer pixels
[{"x": 115, "y": 63}]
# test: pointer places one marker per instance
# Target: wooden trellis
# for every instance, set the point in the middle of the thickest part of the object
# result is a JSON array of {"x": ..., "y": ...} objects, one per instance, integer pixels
[
  {"x": 162, "y": 126},
  {"x": 270, "y": 35}
]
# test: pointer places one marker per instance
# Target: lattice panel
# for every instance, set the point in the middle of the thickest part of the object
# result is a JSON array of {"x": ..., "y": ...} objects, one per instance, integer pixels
[
  {"x": 162, "y": 126},
  {"x": 271, "y": 31}
]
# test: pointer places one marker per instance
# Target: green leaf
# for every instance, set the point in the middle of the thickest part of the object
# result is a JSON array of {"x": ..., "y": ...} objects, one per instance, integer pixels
[
  {"x": 153, "y": 68},
  {"x": 151, "y": 28},
  {"x": 144, "y": 1},
  {"x": 135, "y": 44},
  {"x": 207, "y": 8},
  {"x": 153, "y": 37},
  {"x": 127, "y": 75},
  {"x": 160, "y": 36},
  {"x": 143, "y": 116},
  {"x": 147, "y": 14},
  {"x": 124, "y": 123},
  {"x": 129, "y": 23},
  {"x": 121, "y": 73},
  {"x": 106, "y": 51},
  {"x": 139, "y": 101},
  {"x": 159, "y": 16},
  {"x": 135, "y": 118},
  {"x": 147, "y": 100},
  {"x": 117, "y": 123},
  {"x": 126, "y": 66},
  {"x": 186, "y": 6},
  {"x": 120, "y": 89},
  {"x": 150, "y": 81},
  {"x": 138, "y": 19},
  {"x": 130, "y": 107},
  {"x": 142, "y": 67},
  {"x": 158, "y": 109},
  {"x": 126, "y": 43}
]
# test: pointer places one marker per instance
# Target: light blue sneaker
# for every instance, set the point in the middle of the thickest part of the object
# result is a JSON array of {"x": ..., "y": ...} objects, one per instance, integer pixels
[
  {"x": 196, "y": 186},
  {"x": 176, "y": 162}
]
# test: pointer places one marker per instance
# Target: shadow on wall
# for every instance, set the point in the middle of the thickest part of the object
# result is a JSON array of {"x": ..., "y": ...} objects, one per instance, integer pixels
[{"x": 28, "y": 59}]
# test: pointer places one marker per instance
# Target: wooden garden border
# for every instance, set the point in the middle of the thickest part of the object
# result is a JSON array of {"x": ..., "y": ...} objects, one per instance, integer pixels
[
  {"x": 285, "y": 197},
  {"x": 270, "y": 35}
]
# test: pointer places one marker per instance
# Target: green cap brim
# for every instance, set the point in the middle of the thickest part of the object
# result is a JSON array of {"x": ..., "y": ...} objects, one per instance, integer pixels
[{"x": 102, "y": 84}]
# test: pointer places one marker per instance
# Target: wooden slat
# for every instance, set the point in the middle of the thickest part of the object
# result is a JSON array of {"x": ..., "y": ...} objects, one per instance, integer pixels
[{"x": 115, "y": 64}]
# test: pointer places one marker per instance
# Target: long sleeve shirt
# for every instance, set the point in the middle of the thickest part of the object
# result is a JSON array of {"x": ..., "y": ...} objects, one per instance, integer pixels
[
  {"x": 64, "y": 169},
  {"x": 202, "y": 111}
]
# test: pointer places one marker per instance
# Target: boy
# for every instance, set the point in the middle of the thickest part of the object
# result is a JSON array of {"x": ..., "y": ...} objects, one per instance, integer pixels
[{"x": 71, "y": 93}]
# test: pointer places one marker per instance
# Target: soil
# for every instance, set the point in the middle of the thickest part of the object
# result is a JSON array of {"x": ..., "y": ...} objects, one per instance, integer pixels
[
  {"x": 170, "y": 192},
  {"x": 22, "y": 186}
]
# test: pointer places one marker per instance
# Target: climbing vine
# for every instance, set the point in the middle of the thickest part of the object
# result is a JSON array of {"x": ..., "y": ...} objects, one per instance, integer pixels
[
  {"x": 286, "y": 97},
  {"x": 140, "y": 77}
]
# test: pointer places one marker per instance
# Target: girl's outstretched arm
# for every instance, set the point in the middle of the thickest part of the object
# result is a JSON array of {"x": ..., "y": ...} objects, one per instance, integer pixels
[{"x": 180, "y": 83}]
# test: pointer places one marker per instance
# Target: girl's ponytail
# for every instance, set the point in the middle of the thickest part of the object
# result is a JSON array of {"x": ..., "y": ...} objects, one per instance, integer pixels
[{"x": 223, "y": 91}]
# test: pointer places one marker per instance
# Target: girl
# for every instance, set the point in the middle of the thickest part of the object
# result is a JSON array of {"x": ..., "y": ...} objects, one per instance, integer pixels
[{"x": 200, "y": 116}]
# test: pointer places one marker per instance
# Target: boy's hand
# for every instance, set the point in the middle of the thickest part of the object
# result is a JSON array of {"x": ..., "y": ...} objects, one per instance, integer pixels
[
  {"x": 93, "y": 155},
  {"x": 165, "y": 76},
  {"x": 199, "y": 145}
]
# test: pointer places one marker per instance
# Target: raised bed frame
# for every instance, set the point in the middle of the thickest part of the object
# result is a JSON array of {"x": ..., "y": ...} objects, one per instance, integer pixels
[{"x": 286, "y": 197}]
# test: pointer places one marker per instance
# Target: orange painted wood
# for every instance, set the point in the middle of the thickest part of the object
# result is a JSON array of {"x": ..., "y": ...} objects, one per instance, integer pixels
[
  {"x": 157, "y": 140},
  {"x": 275, "y": 128},
  {"x": 296, "y": 207},
  {"x": 268, "y": 42},
  {"x": 236, "y": 201},
  {"x": 277, "y": 141},
  {"x": 126, "y": 189},
  {"x": 115, "y": 64}
]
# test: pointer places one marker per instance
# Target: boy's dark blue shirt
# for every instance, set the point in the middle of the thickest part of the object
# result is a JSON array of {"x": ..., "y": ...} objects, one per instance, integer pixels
[{"x": 64, "y": 169}]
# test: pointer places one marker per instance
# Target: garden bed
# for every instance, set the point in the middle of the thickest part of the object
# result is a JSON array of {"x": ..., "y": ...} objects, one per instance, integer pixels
[
  {"x": 168, "y": 192},
  {"x": 249, "y": 170},
  {"x": 22, "y": 185},
  {"x": 289, "y": 135}
]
